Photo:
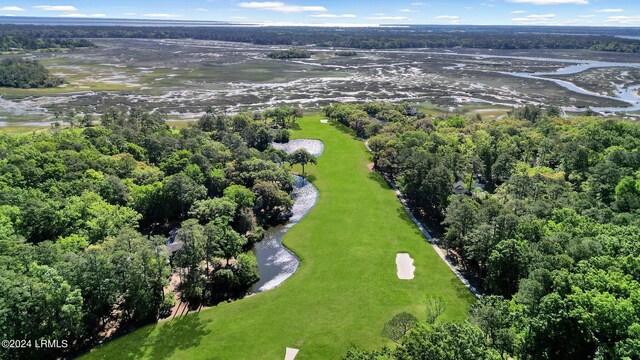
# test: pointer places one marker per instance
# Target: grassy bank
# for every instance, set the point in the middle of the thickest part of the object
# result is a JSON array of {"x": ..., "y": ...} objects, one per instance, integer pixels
[{"x": 346, "y": 287}]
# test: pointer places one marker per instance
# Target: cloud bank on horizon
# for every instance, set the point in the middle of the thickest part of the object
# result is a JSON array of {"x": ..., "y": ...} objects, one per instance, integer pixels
[{"x": 345, "y": 12}]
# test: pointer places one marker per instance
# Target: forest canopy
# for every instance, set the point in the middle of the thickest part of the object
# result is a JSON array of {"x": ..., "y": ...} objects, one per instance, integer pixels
[
  {"x": 86, "y": 216},
  {"x": 17, "y": 41},
  {"x": 23, "y": 73},
  {"x": 363, "y": 38}
]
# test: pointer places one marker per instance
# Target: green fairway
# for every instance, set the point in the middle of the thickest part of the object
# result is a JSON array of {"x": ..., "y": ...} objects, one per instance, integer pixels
[{"x": 345, "y": 289}]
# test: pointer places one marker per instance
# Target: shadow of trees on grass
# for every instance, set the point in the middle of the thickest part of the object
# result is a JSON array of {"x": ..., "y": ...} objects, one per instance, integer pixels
[
  {"x": 310, "y": 177},
  {"x": 402, "y": 214},
  {"x": 345, "y": 130},
  {"x": 161, "y": 341},
  {"x": 375, "y": 176}
]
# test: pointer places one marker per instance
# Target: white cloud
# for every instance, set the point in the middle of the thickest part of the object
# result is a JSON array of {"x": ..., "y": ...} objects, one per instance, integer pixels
[
  {"x": 623, "y": 20},
  {"x": 543, "y": 16},
  {"x": 61, "y": 8},
  {"x": 79, "y": 15},
  {"x": 129, "y": 14},
  {"x": 418, "y": 4},
  {"x": 408, "y": 10},
  {"x": 333, "y": 16},
  {"x": 448, "y": 17},
  {"x": 201, "y": 9},
  {"x": 281, "y": 7},
  {"x": 315, "y": 24},
  {"x": 395, "y": 18},
  {"x": 161, "y": 16},
  {"x": 11, "y": 8},
  {"x": 535, "y": 19},
  {"x": 610, "y": 10},
  {"x": 519, "y": 12},
  {"x": 586, "y": 16},
  {"x": 260, "y": 5},
  {"x": 551, "y": 2}
]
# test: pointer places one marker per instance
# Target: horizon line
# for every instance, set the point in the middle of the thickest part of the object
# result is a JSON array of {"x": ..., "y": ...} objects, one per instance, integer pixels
[{"x": 290, "y": 24}]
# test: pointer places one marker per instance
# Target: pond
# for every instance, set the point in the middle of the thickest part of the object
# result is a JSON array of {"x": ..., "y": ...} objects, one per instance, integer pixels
[
  {"x": 315, "y": 147},
  {"x": 276, "y": 263}
]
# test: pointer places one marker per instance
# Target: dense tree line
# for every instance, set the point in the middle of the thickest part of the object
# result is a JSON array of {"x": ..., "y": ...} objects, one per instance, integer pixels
[
  {"x": 363, "y": 38},
  {"x": 486, "y": 334},
  {"x": 22, "y": 73},
  {"x": 547, "y": 220},
  {"x": 292, "y": 53},
  {"x": 85, "y": 215},
  {"x": 367, "y": 119},
  {"x": 16, "y": 41}
]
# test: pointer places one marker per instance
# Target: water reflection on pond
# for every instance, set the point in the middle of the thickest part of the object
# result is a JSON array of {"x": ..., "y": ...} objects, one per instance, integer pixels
[
  {"x": 276, "y": 263},
  {"x": 315, "y": 147}
]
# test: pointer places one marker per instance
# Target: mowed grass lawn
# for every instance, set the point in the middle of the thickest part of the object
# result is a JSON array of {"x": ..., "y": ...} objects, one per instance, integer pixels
[{"x": 345, "y": 289}]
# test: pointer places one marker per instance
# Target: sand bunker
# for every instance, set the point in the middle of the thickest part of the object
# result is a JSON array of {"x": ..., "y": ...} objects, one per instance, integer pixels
[
  {"x": 324, "y": 121},
  {"x": 291, "y": 354},
  {"x": 405, "y": 266}
]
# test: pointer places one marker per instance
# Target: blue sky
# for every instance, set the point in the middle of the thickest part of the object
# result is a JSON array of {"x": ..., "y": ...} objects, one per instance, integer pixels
[{"x": 489, "y": 12}]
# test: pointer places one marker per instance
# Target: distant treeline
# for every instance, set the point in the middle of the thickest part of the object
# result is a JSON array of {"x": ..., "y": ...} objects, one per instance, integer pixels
[
  {"x": 26, "y": 41},
  {"x": 21, "y": 73},
  {"x": 363, "y": 38}
]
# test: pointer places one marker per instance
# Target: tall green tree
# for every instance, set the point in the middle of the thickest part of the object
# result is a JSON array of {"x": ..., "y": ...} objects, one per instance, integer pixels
[{"x": 302, "y": 157}]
